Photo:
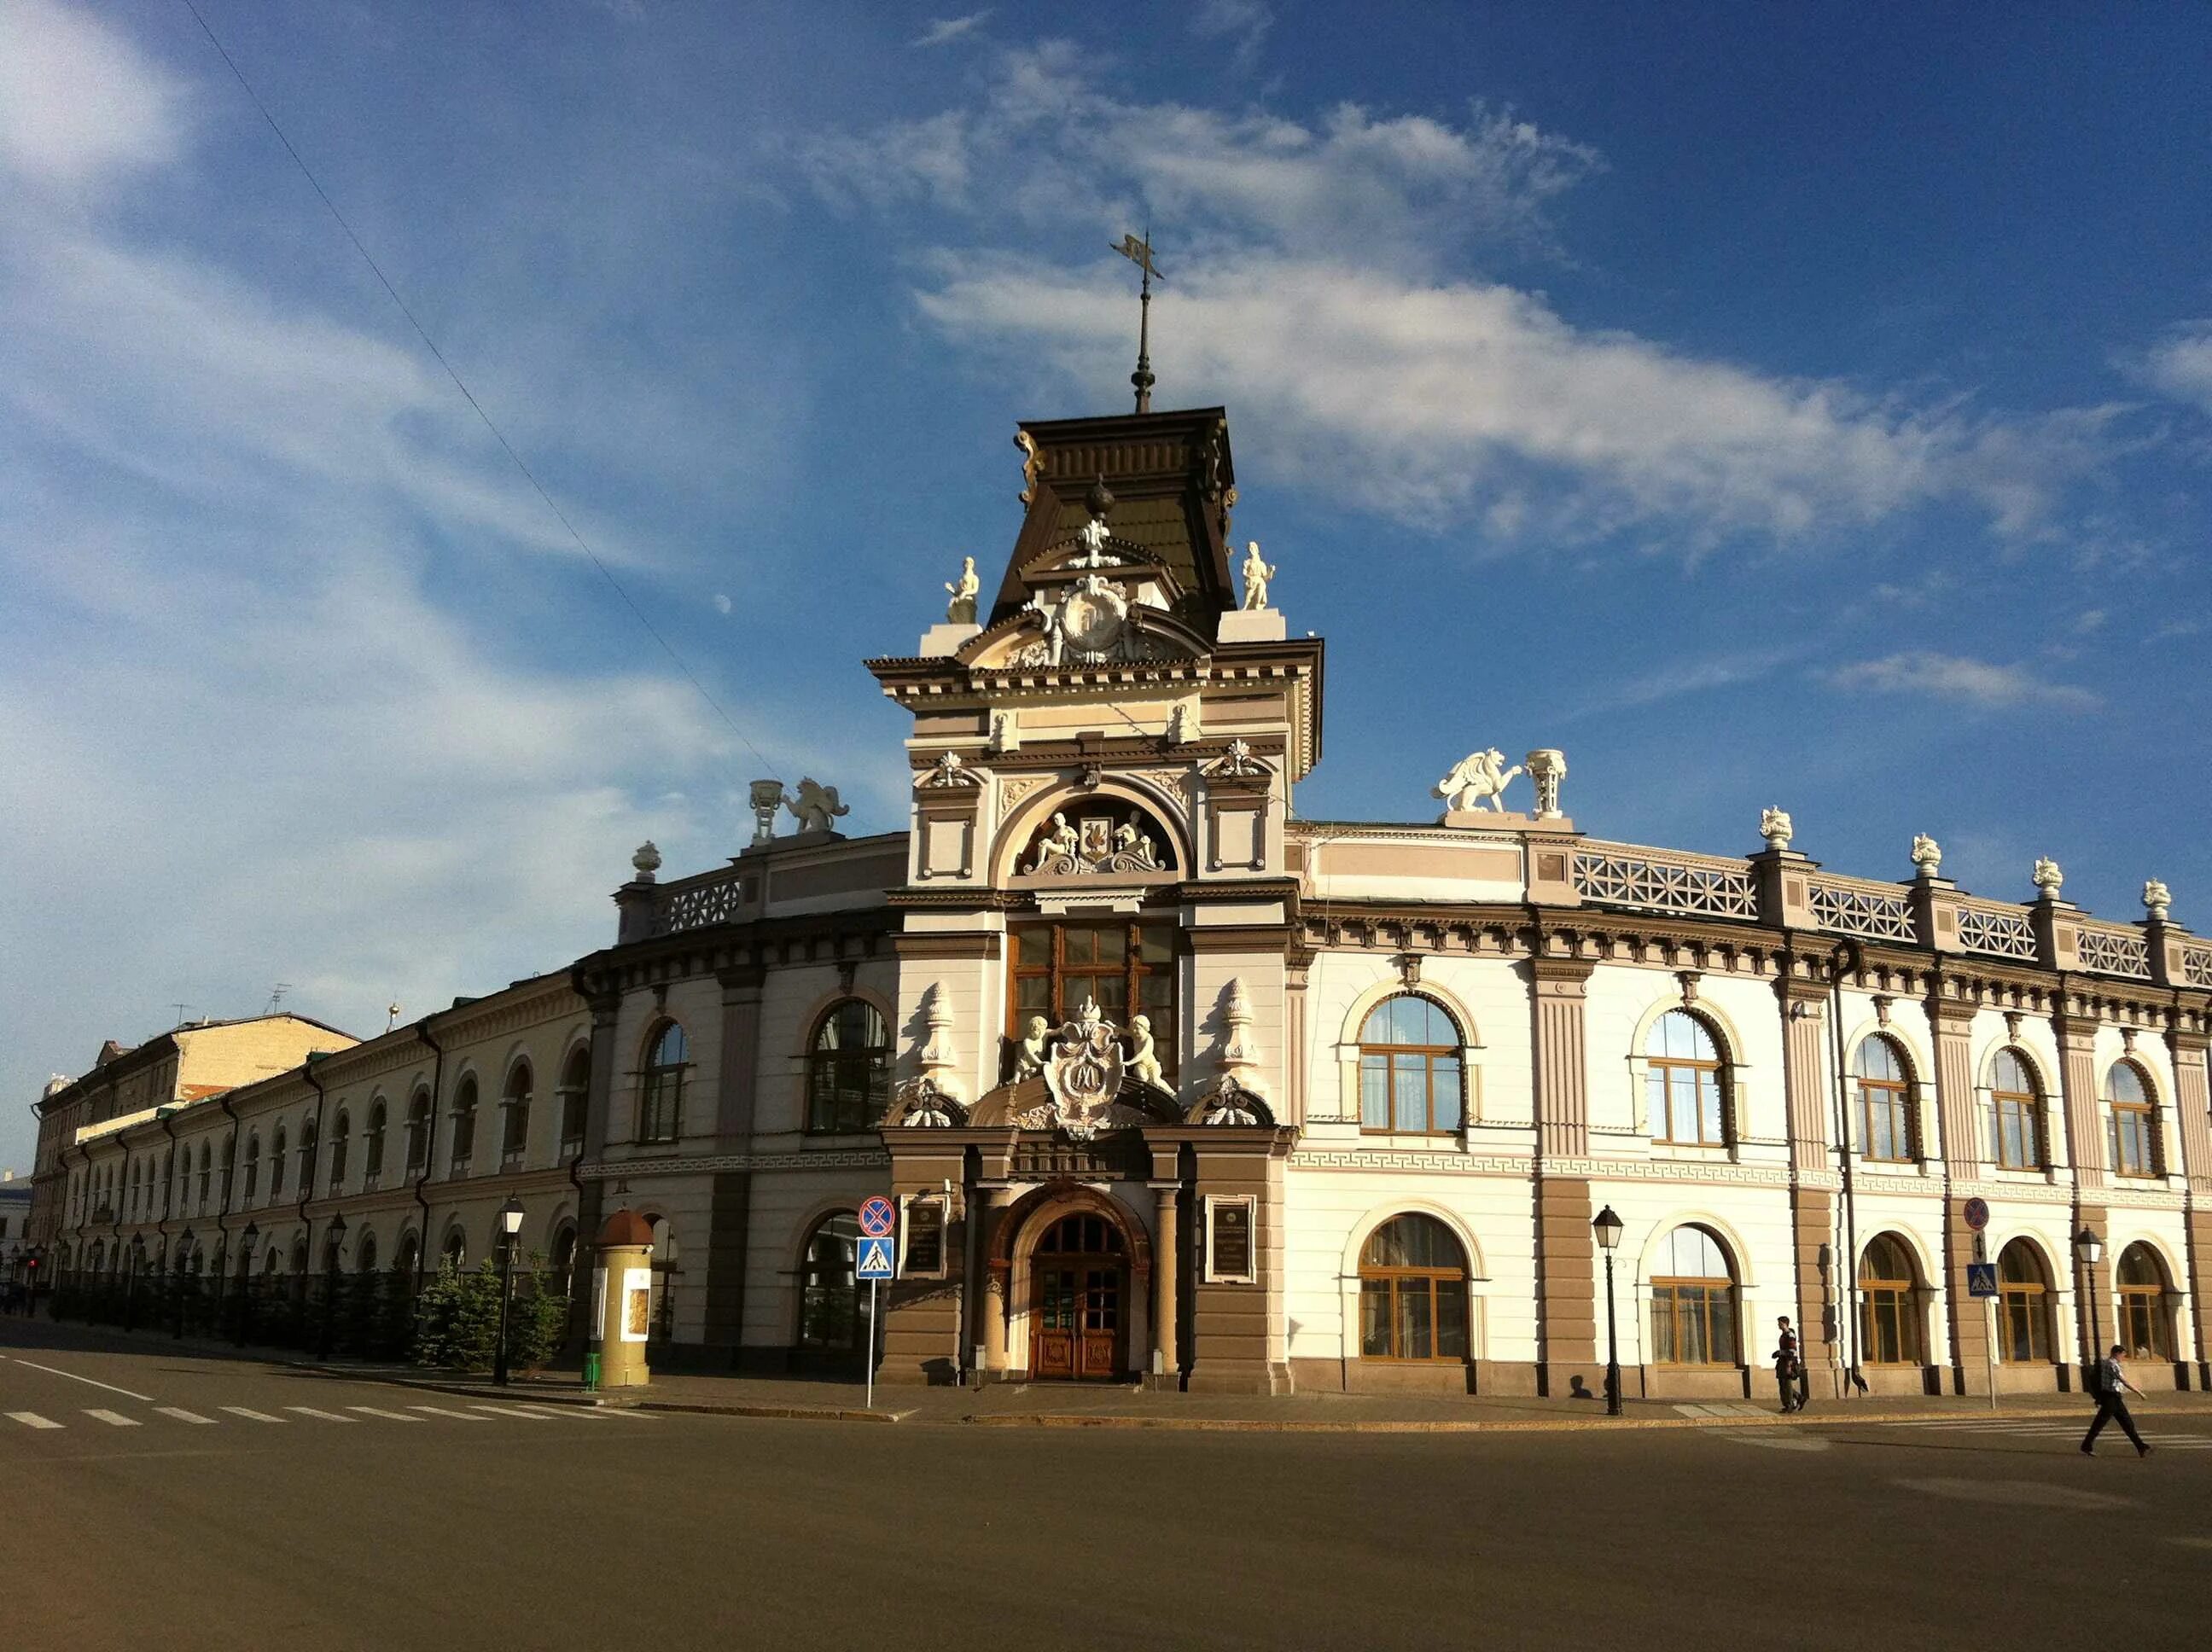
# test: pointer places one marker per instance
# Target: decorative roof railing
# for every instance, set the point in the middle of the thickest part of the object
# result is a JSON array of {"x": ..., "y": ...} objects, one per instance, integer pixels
[
  {"x": 2197, "y": 964},
  {"x": 2001, "y": 931},
  {"x": 1697, "y": 886},
  {"x": 1873, "y": 912},
  {"x": 2114, "y": 951},
  {"x": 714, "y": 897}
]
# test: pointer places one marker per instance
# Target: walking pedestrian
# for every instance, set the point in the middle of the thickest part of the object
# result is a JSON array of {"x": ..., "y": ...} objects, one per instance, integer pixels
[
  {"x": 1788, "y": 1368},
  {"x": 2110, "y": 1407}
]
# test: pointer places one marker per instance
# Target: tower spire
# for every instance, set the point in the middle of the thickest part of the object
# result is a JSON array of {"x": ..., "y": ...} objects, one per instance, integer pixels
[{"x": 1140, "y": 252}]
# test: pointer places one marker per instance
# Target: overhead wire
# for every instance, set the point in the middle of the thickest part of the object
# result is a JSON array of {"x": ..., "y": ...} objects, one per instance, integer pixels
[{"x": 459, "y": 384}]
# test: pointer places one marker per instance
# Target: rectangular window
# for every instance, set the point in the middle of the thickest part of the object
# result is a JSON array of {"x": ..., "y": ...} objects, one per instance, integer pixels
[
  {"x": 2015, "y": 1133},
  {"x": 1127, "y": 968},
  {"x": 2132, "y": 1141}
]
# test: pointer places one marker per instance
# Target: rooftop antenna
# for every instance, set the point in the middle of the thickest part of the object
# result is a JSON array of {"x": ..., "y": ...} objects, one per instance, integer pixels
[
  {"x": 277, "y": 996},
  {"x": 180, "y": 1009},
  {"x": 1140, "y": 252}
]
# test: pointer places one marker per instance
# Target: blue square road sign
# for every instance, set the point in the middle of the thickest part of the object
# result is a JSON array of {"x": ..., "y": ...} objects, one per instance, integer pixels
[{"x": 876, "y": 1260}]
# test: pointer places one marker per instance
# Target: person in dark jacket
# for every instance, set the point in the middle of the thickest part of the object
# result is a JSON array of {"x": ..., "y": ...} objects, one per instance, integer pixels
[
  {"x": 2111, "y": 1406},
  {"x": 1790, "y": 1375}
]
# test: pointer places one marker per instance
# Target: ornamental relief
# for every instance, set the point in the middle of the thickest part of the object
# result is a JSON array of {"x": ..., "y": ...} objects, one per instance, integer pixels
[{"x": 1096, "y": 837}]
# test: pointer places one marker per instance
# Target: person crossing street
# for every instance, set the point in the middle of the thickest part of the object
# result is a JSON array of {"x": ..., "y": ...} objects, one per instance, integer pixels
[{"x": 2111, "y": 1406}]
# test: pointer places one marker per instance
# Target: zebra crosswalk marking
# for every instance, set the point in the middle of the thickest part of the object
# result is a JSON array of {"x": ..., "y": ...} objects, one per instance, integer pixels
[
  {"x": 389, "y": 1416},
  {"x": 324, "y": 1416},
  {"x": 182, "y": 1415},
  {"x": 458, "y": 1416},
  {"x": 252, "y": 1415},
  {"x": 32, "y": 1419},
  {"x": 512, "y": 1410},
  {"x": 114, "y": 1418}
]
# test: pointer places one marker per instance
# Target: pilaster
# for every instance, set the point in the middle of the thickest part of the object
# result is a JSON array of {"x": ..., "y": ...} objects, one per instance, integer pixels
[
  {"x": 1952, "y": 1026},
  {"x": 2077, "y": 1085},
  {"x": 2191, "y": 1101},
  {"x": 737, "y": 1080}
]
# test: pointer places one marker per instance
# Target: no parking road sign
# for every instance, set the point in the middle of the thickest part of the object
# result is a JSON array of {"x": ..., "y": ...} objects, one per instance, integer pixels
[{"x": 878, "y": 1216}]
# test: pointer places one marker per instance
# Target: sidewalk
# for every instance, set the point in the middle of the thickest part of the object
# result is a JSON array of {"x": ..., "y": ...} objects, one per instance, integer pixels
[{"x": 1018, "y": 1404}]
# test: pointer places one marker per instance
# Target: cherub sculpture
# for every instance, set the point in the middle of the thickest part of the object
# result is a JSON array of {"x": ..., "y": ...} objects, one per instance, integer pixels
[
  {"x": 961, "y": 610},
  {"x": 1029, "y": 1055},
  {"x": 1257, "y": 576},
  {"x": 816, "y": 805},
  {"x": 1143, "y": 1061}
]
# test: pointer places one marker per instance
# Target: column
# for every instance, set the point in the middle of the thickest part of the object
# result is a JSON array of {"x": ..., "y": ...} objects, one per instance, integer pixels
[
  {"x": 1566, "y": 1250},
  {"x": 1809, "y": 1101},
  {"x": 1166, "y": 1370},
  {"x": 2191, "y": 1097},
  {"x": 2085, "y": 1149},
  {"x": 1953, "y": 1024}
]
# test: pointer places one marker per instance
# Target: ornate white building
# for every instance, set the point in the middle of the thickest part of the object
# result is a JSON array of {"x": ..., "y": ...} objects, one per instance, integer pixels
[{"x": 1171, "y": 1083}]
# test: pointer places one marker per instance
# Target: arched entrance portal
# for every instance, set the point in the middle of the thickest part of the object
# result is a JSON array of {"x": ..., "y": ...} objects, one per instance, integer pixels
[{"x": 1080, "y": 1299}]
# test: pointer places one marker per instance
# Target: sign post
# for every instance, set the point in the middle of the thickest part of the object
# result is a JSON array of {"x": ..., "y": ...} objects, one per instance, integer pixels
[
  {"x": 1982, "y": 1283},
  {"x": 876, "y": 1262}
]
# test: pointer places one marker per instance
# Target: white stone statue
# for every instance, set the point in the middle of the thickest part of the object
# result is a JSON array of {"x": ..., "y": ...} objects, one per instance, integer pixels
[
  {"x": 815, "y": 806},
  {"x": 645, "y": 861},
  {"x": 1547, "y": 767},
  {"x": 1143, "y": 1061},
  {"x": 2158, "y": 900},
  {"x": 2048, "y": 878},
  {"x": 1927, "y": 854},
  {"x": 1029, "y": 1058},
  {"x": 1128, "y": 841},
  {"x": 1257, "y": 576},
  {"x": 1060, "y": 842},
  {"x": 1774, "y": 826},
  {"x": 1475, "y": 777},
  {"x": 961, "y": 610}
]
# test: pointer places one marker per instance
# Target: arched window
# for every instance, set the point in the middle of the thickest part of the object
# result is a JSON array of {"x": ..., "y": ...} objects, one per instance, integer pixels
[
  {"x": 829, "y": 1298},
  {"x": 2146, "y": 1329},
  {"x": 206, "y": 1175},
  {"x": 252, "y": 1165},
  {"x": 1886, "y": 1112},
  {"x": 1693, "y": 1318},
  {"x": 464, "y": 1126},
  {"x": 409, "y": 1249},
  {"x": 1685, "y": 1089},
  {"x": 1409, "y": 1068},
  {"x": 2132, "y": 1128},
  {"x": 300, "y": 1253},
  {"x": 575, "y": 1096},
  {"x": 372, "y": 1146},
  {"x": 341, "y": 1130},
  {"x": 848, "y": 1069},
  {"x": 562, "y": 1257},
  {"x": 514, "y": 1117},
  {"x": 456, "y": 1249},
  {"x": 364, "y": 1254},
  {"x": 168, "y": 1163},
  {"x": 1889, "y": 1311},
  {"x": 2024, "y": 1293},
  {"x": 277, "y": 1162},
  {"x": 418, "y": 1132},
  {"x": 660, "y": 1084},
  {"x": 306, "y": 1156},
  {"x": 2016, "y": 1114},
  {"x": 1412, "y": 1290}
]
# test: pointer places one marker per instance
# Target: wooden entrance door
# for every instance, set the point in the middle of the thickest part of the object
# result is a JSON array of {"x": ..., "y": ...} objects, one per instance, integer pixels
[{"x": 1082, "y": 1277}]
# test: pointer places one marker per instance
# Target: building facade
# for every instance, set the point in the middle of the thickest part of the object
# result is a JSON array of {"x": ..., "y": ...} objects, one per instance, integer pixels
[{"x": 1172, "y": 1084}]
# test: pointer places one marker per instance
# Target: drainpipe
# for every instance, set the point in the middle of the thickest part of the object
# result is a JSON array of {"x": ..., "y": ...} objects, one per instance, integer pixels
[
  {"x": 1850, "y": 1259},
  {"x": 161, "y": 1117},
  {"x": 314, "y": 1159},
  {"x": 429, "y": 1144},
  {"x": 229, "y": 1186}
]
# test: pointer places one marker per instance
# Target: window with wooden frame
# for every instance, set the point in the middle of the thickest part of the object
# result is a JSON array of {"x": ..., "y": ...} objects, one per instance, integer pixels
[
  {"x": 418, "y": 1131},
  {"x": 514, "y": 1117},
  {"x": 341, "y": 1135},
  {"x": 2016, "y": 1114},
  {"x": 464, "y": 1127},
  {"x": 1411, "y": 1076},
  {"x": 2023, "y": 1304},
  {"x": 1886, "y": 1132},
  {"x": 253, "y": 1167},
  {"x": 276, "y": 1163},
  {"x": 660, "y": 1084},
  {"x": 1686, "y": 1084},
  {"x": 1693, "y": 1313},
  {"x": 2145, "y": 1329},
  {"x": 1126, "y": 968},
  {"x": 829, "y": 1293},
  {"x": 848, "y": 1069},
  {"x": 372, "y": 1143},
  {"x": 1889, "y": 1303},
  {"x": 2132, "y": 1126},
  {"x": 575, "y": 1098},
  {"x": 1413, "y": 1291}
]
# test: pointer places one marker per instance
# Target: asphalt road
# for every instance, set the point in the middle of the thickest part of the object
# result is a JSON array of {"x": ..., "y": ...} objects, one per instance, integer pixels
[{"x": 195, "y": 1501}]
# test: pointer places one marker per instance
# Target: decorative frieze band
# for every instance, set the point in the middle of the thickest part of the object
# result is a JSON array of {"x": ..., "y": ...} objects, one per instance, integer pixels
[{"x": 852, "y": 1159}]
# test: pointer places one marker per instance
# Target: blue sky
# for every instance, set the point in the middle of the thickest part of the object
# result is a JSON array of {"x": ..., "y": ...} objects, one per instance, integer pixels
[{"x": 1763, "y": 405}]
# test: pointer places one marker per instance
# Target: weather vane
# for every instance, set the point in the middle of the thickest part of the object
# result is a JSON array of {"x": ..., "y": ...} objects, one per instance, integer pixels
[{"x": 1140, "y": 252}]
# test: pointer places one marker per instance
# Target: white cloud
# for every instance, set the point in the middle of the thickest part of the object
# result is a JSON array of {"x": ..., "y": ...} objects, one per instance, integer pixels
[
  {"x": 2180, "y": 365},
  {"x": 944, "y": 30},
  {"x": 1244, "y": 22},
  {"x": 1954, "y": 676},
  {"x": 1685, "y": 677},
  {"x": 1316, "y": 281},
  {"x": 77, "y": 99},
  {"x": 722, "y": 604}
]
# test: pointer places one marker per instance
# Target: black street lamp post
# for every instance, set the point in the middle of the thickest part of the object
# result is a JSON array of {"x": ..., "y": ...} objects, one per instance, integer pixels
[
  {"x": 510, "y": 1226},
  {"x": 1607, "y": 1228},
  {"x": 2089, "y": 1248},
  {"x": 334, "y": 1238}
]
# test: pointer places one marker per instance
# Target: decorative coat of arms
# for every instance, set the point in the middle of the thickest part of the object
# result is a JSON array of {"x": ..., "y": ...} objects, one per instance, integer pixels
[
  {"x": 1096, "y": 844},
  {"x": 1082, "y": 1070}
]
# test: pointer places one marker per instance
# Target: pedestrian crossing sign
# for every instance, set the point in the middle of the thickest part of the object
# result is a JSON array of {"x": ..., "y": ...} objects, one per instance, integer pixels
[
  {"x": 876, "y": 1260},
  {"x": 1981, "y": 1278}
]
